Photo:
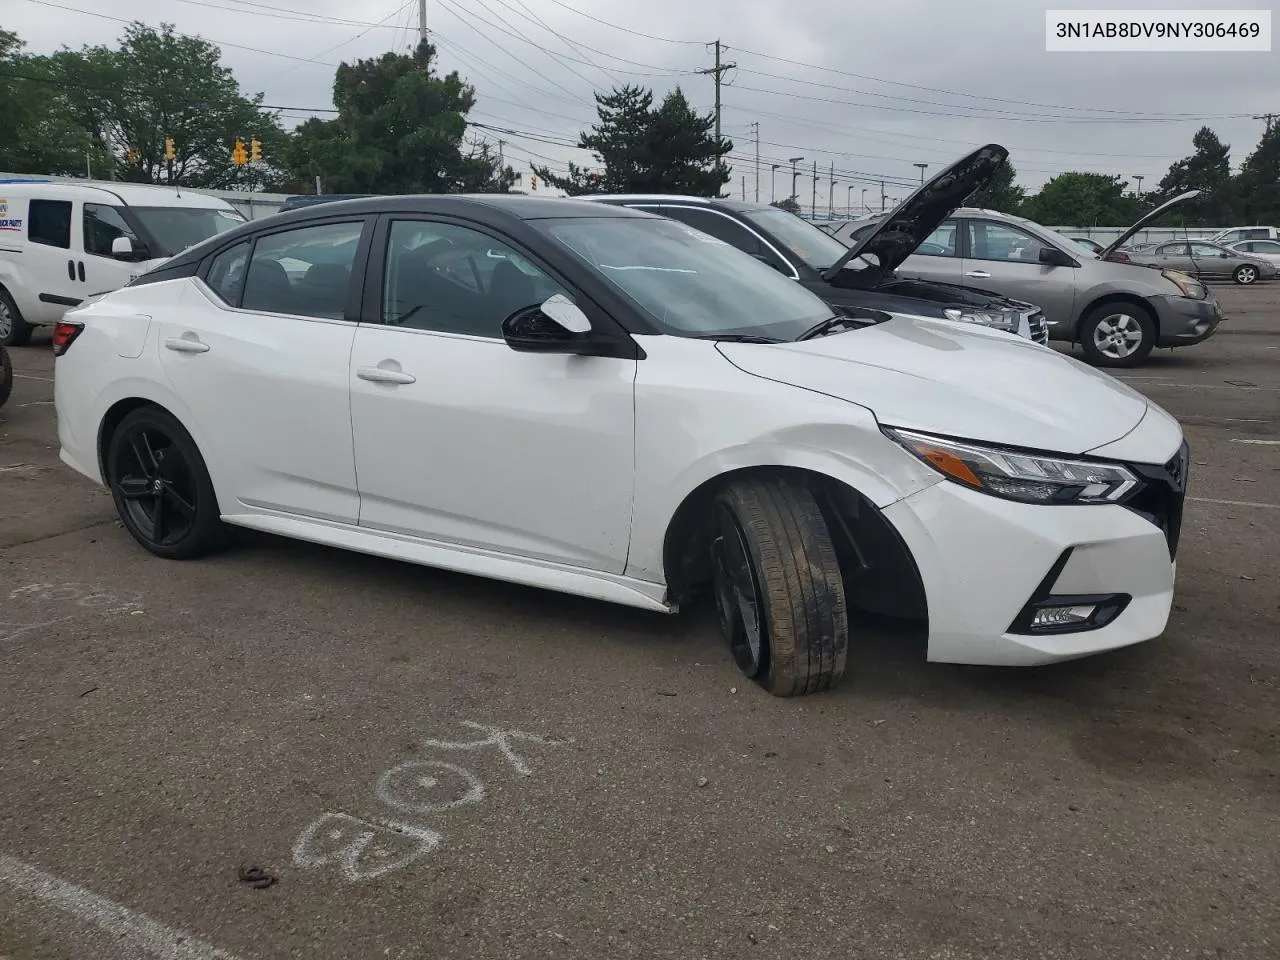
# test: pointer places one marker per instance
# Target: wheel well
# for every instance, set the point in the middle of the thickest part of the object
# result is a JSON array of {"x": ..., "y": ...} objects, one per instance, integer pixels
[
  {"x": 879, "y": 572},
  {"x": 1130, "y": 298},
  {"x": 119, "y": 410}
]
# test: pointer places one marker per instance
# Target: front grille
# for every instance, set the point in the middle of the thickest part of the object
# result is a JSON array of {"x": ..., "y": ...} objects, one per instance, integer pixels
[
  {"x": 1039, "y": 327},
  {"x": 1162, "y": 494}
]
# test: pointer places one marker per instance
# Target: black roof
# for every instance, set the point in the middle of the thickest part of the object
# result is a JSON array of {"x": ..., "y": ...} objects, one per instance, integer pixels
[
  {"x": 715, "y": 203},
  {"x": 495, "y": 209}
]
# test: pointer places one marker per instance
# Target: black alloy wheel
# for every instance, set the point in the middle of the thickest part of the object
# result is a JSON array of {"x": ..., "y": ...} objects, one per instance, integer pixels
[{"x": 160, "y": 486}]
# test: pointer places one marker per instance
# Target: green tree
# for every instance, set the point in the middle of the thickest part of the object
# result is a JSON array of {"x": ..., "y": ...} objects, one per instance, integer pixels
[
  {"x": 643, "y": 149},
  {"x": 1002, "y": 193},
  {"x": 400, "y": 129},
  {"x": 1080, "y": 199},
  {"x": 1257, "y": 187},
  {"x": 42, "y": 135},
  {"x": 789, "y": 204},
  {"x": 160, "y": 84},
  {"x": 1208, "y": 169}
]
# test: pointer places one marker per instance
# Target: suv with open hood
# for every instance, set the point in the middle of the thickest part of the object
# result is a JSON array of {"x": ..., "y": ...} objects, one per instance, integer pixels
[
  {"x": 1117, "y": 311},
  {"x": 798, "y": 249}
]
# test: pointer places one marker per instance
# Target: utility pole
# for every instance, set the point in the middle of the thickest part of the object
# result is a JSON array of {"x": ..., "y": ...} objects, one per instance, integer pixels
[
  {"x": 718, "y": 72},
  {"x": 756, "y": 129},
  {"x": 848, "y": 200},
  {"x": 744, "y": 188},
  {"x": 1139, "y": 177},
  {"x": 864, "y": 200},
  {"x": 813, "y": 207},
  {"x": 501, "y": 144},
  {"x": 773, "y": 183},
  {"x": 831, "y": 197},
  {"x": 922, "y": 168},
  {"x": 422, "y": 20},
  {"x": 793, "y": 161},
  {"x": 1269, "y": 117},
  {"x": 882, "y": 196}
]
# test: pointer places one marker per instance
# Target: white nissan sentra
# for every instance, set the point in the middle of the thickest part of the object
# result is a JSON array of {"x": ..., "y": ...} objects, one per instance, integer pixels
[{"x": 604, "y": 402}]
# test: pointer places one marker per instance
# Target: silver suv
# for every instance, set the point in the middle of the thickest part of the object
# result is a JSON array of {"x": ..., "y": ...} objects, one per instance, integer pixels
[{"x": 1117, "y": 312}]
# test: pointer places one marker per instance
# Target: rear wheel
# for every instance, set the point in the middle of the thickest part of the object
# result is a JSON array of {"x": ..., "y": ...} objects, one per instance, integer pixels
[
  {"x": 14, "y": 331},
  {"x": 1246, "y": 273},
  {"x": 1117, "y": 335},
  {"x": 161, "y": 487},
  {"x": 778, "y": 587}
]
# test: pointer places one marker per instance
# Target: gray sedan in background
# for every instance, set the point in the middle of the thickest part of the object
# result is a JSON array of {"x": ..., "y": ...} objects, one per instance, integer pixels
[{"x": 1207, "y": 260}]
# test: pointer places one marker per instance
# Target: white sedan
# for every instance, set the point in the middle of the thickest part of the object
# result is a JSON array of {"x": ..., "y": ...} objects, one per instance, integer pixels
[{"x": 603, "y": 402}]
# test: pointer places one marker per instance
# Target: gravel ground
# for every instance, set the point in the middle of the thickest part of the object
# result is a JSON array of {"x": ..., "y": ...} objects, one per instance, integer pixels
[{"x": 164, "y": 726}]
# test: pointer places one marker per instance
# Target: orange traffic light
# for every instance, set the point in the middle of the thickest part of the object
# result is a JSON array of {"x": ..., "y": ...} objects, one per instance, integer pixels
[
  {"x": 238, "y": 155},
  {"x": 255, "y": 150},
  {"x": 169, "y": 152}
]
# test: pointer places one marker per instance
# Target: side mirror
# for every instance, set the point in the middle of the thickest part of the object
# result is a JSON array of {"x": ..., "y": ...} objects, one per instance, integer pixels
[
  {"x": 122, "y": 248},
  {"x": 1055, "y": 257},
  {"x": 557, "y": 326}
]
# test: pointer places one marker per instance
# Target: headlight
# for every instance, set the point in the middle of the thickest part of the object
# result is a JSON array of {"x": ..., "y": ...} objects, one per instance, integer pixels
[
  {"x": 997, "y": 319},
  {"x": 1014, "y": 475},
  {"x": 1189, "y": 286}
]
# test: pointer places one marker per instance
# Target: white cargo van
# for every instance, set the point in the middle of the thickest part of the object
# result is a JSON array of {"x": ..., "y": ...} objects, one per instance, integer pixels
[{"x": 62, "y": 242}]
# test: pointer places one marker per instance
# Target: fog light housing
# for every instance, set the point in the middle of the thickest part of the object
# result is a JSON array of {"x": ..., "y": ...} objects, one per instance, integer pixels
[
  {"x": 1047, "y": 612},
  {"x": 1062, "y": 616}
]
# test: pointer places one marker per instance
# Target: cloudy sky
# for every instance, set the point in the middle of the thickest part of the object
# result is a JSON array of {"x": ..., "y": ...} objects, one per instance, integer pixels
[{"x": 871, "y": 87}]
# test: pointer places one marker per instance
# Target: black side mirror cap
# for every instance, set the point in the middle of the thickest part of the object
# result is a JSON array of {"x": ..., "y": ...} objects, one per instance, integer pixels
[
  {"x": 1056, "y": 258},
  {"x": 532, "y": 331}
]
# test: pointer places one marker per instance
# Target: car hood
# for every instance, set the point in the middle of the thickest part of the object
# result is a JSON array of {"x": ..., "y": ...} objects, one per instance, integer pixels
[
  {"x": 958, "y": 380},
  {"x": 907, "y": 226},
  {"x": 1159, "y": 211}
]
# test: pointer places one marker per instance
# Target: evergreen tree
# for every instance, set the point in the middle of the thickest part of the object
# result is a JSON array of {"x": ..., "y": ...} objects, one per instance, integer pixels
[
  {"x": 1208, "y": 170},
  {"x": 1257, "y": 188}
]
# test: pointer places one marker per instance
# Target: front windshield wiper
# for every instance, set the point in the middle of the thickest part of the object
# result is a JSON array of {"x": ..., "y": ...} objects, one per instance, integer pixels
[
  {"x": 739, "y": 338},
  {"x": 826, "y": 326}
]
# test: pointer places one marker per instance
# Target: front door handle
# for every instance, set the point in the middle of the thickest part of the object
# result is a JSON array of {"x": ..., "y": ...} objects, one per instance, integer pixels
[
  {"x": 186, "y": 345},
  {"x": 382, "y": 375},
  {"x": 71, "y": 269},
  {"x": 977, "y": 273}
]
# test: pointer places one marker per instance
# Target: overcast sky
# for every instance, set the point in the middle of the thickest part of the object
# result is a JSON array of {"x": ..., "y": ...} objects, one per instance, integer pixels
[{"x": 873, "y": 87}]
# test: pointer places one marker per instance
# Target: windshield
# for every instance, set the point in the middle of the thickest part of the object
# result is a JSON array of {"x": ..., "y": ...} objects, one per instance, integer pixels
[
  {"x": 811, "y": 244},
  {"x": 173, "y": 229},
  {"x": 1067, "y": 244},
  {"x": 689, "y": 282}
]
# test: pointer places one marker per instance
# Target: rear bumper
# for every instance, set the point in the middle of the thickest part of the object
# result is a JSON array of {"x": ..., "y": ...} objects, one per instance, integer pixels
[{"x": 1184, "y": 321}]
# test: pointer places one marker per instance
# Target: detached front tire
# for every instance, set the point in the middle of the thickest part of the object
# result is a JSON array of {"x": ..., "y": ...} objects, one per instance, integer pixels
[
  {"x": 1117, "y": 335},
  {"x": 778, "y": 588}
]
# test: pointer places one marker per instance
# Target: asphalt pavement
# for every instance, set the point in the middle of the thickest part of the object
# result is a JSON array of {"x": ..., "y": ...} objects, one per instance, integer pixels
[{"x": 291, "y": 751}]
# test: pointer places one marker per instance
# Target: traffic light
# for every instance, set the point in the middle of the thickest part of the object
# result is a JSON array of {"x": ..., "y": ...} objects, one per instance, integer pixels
[
  {"x": 533, "y": 182},
  {"x": 238, "y": 156},
  {"x": 255, "y": 149},
  {"x": 132, "y": 156},
  {"x": 169, "y": 152}
]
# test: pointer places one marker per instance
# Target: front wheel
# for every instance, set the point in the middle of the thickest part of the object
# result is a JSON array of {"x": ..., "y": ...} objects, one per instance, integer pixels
[
  {"x": 1117, "y": 335},
  {"x": 161, "y": 487},
  {"x": 1246, "y": 273},
  {"x": 778, "y": 588}
]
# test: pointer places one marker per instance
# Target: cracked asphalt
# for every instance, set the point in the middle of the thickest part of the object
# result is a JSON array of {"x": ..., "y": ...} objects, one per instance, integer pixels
[{"x": 165, "y": 725}]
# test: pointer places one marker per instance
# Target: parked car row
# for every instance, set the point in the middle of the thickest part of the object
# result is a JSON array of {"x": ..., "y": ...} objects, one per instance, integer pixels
[{"x": 410, "y": 376}]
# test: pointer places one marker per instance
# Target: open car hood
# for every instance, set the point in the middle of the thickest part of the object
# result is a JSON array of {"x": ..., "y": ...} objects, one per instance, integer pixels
[
  {"x": 896, "y": 237},
  {"x": 958, "y": 380},
  {"x": 1157, "y": 212}
]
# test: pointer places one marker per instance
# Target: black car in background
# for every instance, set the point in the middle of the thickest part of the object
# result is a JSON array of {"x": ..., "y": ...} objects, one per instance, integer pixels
[{"x": 860, "y": 278}]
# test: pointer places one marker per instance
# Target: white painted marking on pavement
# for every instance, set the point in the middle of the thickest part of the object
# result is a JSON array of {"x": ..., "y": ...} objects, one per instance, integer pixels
[
  {"x": 405, "y": 787},
  {"x": 497, "y": 738},
  {"x": 1237, "y": 503},
  {"x": 1265, "y": 443},
  {"x": 23, "y": 376},
  {"x": 343, "y": 839},
  {"x": 136, "y": 933}
]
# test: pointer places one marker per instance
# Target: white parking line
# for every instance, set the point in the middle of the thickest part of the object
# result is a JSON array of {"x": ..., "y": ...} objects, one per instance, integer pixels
[
  {"x": 1237, "y": 503},
  {"x": 1265, "y": 443},
  {"x": 138, "y": 935},
  {"x": 23, "y": 376}
]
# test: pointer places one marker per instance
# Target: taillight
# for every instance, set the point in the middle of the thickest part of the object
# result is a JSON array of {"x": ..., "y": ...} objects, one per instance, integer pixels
[
  {"x": 1119, "y": 257},
  {"x": 64, "y": 334}
]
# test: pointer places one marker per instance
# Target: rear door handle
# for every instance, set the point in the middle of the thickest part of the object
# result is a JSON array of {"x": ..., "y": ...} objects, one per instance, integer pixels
[
  {"x": 977, "y": 273},
  {"x": 186, "y": 345},
  {"x": 80, "y": 269},
  {"x": 382, "y": 375}
]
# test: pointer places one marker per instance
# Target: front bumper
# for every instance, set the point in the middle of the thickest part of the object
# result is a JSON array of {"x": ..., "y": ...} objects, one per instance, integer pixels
[
  {"x": 985, "y": 561},
  {"x": 1184, "y": 321}
]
